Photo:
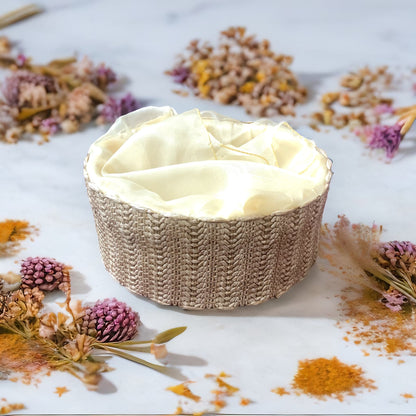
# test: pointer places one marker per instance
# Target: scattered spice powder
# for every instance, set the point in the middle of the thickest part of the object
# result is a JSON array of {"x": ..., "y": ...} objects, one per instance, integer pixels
[
  {"x": 371, "y": 323},
  {"x": 281, "y": 391},
  {"x": 12, "y": 232},
  {"x": 61, "y": 390},
  {"x": 20, "y": 356},
  {"x": 183, "y": 390},
  {"x": 323, "y": 377}
]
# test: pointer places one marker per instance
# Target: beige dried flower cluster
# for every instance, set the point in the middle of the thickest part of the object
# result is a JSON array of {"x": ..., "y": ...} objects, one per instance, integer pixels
[
  {"x": 360, "y": 101},
  {"x": 241, "y": 70}
]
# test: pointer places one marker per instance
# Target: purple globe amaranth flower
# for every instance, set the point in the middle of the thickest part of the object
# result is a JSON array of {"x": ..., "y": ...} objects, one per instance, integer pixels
[
  {"x": 44, "y": 273},
  {"x": 12, "y": 85},
  {"x": 180, "y": 74},
  {"x": 114, "y": 108},
  {"x": 387, "y": 138},
  {"x": 110, "y": 321}
]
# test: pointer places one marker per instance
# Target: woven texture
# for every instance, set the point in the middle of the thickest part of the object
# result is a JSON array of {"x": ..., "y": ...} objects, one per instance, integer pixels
[{"x": 197, "y": 264}]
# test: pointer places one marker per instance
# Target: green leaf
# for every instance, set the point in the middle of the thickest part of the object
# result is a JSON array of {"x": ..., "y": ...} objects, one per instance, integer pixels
[{"x": 166, "y": 336}]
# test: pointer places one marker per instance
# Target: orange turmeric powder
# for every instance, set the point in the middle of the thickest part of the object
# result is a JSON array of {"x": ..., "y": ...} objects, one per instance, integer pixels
[
  {"x": 11, "y": 233},
  {"x": 322, "y": 377},
  {"x": 18, "y": 354}
]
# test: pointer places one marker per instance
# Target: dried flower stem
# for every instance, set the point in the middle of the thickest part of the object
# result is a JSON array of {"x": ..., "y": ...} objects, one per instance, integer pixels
[{"x": 19, "y": 14}]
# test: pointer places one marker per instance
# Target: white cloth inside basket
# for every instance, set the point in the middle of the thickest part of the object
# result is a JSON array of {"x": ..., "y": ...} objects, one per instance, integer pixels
[{"x": 204, "y": 165}]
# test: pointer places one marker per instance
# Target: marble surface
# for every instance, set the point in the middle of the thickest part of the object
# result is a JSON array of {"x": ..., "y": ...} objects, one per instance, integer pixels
[{"x": 260, "y": 346}]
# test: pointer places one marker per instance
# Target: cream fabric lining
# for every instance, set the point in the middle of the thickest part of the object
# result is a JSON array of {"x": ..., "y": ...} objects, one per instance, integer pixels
[{"x": 204, "y": 165}]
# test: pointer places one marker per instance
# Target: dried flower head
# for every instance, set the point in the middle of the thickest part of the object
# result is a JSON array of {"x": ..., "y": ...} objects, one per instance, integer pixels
[
  {"x": 354, "y": 251},
  {"x": 110, "y": 321},
  {"x": 44, "y": 273},
  {"x": 16, "y": 87},
  {"x": 387, "y": 138},
  {"x": 114, "y": 108}
]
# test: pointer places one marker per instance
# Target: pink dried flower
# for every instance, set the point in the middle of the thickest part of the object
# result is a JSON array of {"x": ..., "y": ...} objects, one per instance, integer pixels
[
  {"x": 114, "y": 108},
  {"x": 357, "y": 251},
  {"x": 394, "y": 300},
  {"x": 44, "y": 273},
  {"x": 383, "y": 109},
  {"x": 21, "y": 60},
  {"x": 14, "y": 85},
  {"x": 387, "y": 138},
  {"x": 50, "y": 125},
  {"x": 110, "y": 321},
  {"x": 104, "y": 76},
  {"x": 180, "y": 74}
]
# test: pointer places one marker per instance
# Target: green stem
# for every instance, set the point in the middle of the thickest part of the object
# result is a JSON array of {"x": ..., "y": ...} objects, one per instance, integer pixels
[{"x": 130, "y": 357}]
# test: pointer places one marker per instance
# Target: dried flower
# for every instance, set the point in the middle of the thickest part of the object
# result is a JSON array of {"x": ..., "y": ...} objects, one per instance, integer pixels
[
  {"x": 393, "y": 299},
  {"x": 114, "y": 108},
  {"x": 180, "y": 74},
  {"x": 110, "y": 321},
  {"x": 21, "y": 60},
  {"x": 50, "y": 125},
  {"x": 104, "y": 76},
  {"x": 59, "y": 96},
  {"x": 387, "y": 138},
  {"x": 22, "y": 81},
  {"x": 240, "y": 70},
  {"x": 355, "y": 252},
  {"x": 44, "y": 273}
]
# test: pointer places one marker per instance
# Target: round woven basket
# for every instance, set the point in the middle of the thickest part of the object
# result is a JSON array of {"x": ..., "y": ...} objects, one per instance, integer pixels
[{"x": 202, "y": 264}]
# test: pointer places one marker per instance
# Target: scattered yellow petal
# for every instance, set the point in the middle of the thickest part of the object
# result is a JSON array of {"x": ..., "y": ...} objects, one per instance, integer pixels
[
  {"x": 219, "y": 404},
  {"x": 7, "y": 408},
  {"x": 230, "y": 390},
  {"x": 281, "y": 391},
  {"x": 247, "y": 87},
  {"x": 244, "y": 401},
  {"x": 61, "y": 390},
  {"x": 407, "y": 396},
  {"x": 223, "y": 374},
  {"x": 183, "y": 390},
  {"x": 400, "y": 362},
  {"x": 178, "y": 410}
]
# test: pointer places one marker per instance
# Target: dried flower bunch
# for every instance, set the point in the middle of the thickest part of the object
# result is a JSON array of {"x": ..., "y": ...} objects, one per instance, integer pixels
[
  {"x": 33, "y": 339},
  {"x": 359, "y": 102},
  {"x": 62, "y": 95},
  {"x": 361, "y": 106},
  {"x": 240, "y": 70},
  {"x": 389, "y": 268}
]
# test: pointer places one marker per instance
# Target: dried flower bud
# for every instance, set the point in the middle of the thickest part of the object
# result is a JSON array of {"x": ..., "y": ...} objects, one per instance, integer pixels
[
  {"x": 110, "y": 321},
  {"x": 387, "y": 138},
  {"x": 44, "y": 273}
]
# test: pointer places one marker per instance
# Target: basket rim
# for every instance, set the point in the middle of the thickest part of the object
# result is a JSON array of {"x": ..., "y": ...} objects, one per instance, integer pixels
[{"x": 179, "y": 217}]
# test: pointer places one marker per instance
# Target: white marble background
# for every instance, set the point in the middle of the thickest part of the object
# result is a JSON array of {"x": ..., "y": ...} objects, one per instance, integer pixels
[{"x": 260, "y": 346}]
